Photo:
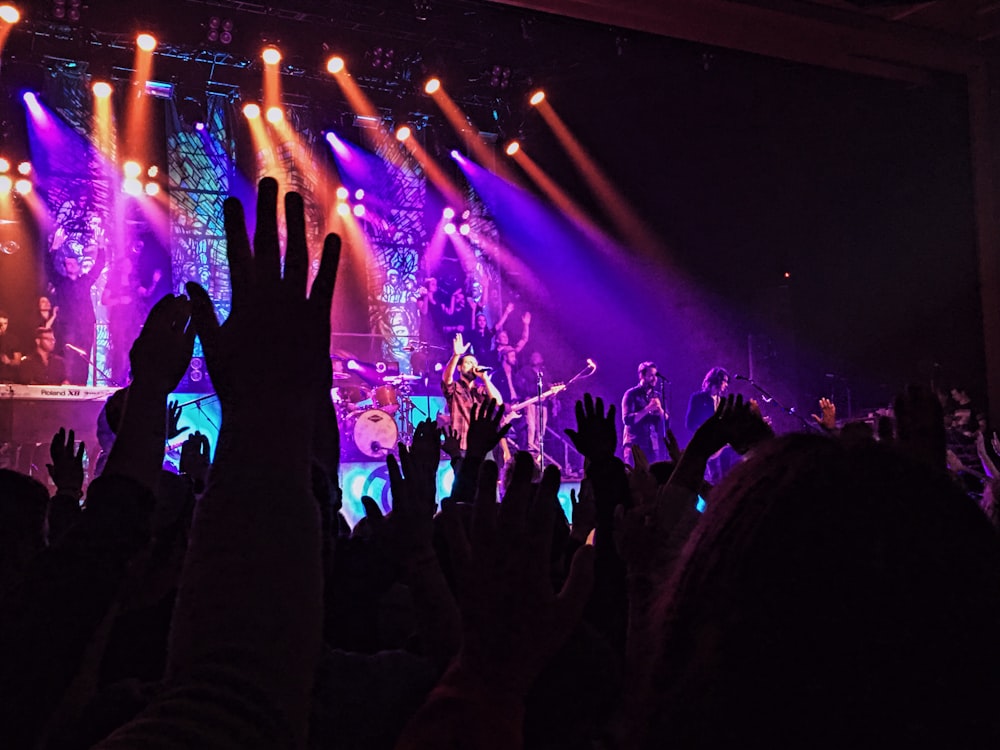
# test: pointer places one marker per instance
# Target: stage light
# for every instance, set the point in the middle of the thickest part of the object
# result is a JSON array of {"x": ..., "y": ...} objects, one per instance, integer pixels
[
  {"x": 251, "y": 111},
  {"x": 448, "y": 213},
  {"x": 24, "y": 168},
  {"x": 275, "y": 115},
  {"x": 271, "y": 56},
  {"x": 352, "y": 364},
  {"x": 403, "y": 133},
  {"x": 343, "y": 193},
  {"x": 153, "y": 171},
  {"x": 456, "y": 156},
  {"x": 464, "y": 230},
  {"x": 513, "y": 147},
  {"x": 22, "y": 186},
  {"x": 432, "y": 86},
  {"x": 152, "y": 189},
  {"x": 466, "y": 214},
  {"x": 102, "y": 89},
  {"x": 335, "y": 65},
  {"x": 9, "y": 14},
  {"x": 132, "y": 186},
  {"x": 146, "y": 42},
  {"x": 4, "y": 166},
  {"x": 449, "y": 228},
  {"x": 359, "y": 194},
  {"x": 343, "y": 209},
  {"x": 131, "y": 169},
  {"x": 5, "y": 184},
  {"x": 537, "y": 98},
  {"x": 359, "y": 210},
  {"x": 199, "y": 126}
]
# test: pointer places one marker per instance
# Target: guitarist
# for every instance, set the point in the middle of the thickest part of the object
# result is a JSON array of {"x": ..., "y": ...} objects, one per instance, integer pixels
[
  {"x": 536, "y": 415},
  {"x": 464, "y": 392}
]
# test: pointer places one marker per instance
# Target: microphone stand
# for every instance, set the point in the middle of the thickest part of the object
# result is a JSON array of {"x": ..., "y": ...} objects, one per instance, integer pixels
[
  {"x": 789, "y": 410},
  {"x": 92, "y": 363},
  {"x": 539, "y": 432}
]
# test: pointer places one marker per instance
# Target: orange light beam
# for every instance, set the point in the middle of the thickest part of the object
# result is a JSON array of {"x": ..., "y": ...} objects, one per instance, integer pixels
[
  {"x": 552, "y": 191},
  {"x": 434, "y": 172},
  {"x": 363, "y": 106},
  {"x": 632, "y": 228},
  {"x": 480, "y": 151},
  {"x": 104, "y": 127},
  {"x": 267, "y": 160},
  {"x": 137, "y": 132}
]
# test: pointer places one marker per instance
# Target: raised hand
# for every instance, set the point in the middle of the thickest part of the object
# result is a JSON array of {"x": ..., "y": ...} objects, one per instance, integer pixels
[
  {"x": 196, "y": 459},
  {"x": 452, "y": 445},
  {"x": 173, "y": 417},
  {"x": 828, "y": 420},
  {"x": 596, "y": 435},
  {"x": 512, "y": 619},
  {"x": 584, "y": 516},
  {"x": 458, "y": 346},
  {"x": 485, "y": 432},
  {"x": 410, "y": 525},
  {"x": 673, "y": 447},
  {"x": 425, "y": 448},
  {"x": 162, "y": 352},
  {"x": 271, "y": 313},
  {"x": 66, "y": 469}
]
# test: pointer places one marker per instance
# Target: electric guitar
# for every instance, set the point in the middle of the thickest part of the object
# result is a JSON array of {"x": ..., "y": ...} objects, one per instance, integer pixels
[{"x": 515, "y": 409}]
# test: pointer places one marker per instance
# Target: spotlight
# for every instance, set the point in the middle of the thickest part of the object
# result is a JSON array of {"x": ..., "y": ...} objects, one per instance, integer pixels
[
  {"x": 199, "y": 126},
  {"x": 24, "y": 168},
  {"x": 9, "y": 14},
  {"x": 464, "y": 230},
  {"x": 275, "y": 115},
  {"x": 132, "y": 186},
  {"x": 271, "y": 56},
  {"x": 335, "y": 65},
  {"x": 466, "y": 214},
  {"x": 5, "y": 184},
  {"x": 22, "y": 186},
  {"x": 153, "y": 171},
  {"x": 359, "y": 194},
  {"x": 456, "y": 156},
  {"x": 432, "y": 86},
  {"x": 537, "y": 98},
  {"x": 359, "y": 210},
  {"x": 449, "y": 228},
  {"x": 102, "y": 89},
  {"x": 131, "y": 169},
  {"x": 513, "y": 147},
  {"x": 251, "y": 111},
  {"x": 152, "y": 189},
  {"x": 403, "y": 133},
  {"x": 4, "y": 166},
  {"x": 448, "y": 213},
  {"x": 342, "y": 193},
  {"x": 343, "y": 209},
  {"x": 146, "y": 42}
]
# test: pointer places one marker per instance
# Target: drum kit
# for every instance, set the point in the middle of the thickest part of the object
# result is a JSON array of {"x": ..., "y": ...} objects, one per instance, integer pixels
[{"x": 374, "y": 416}]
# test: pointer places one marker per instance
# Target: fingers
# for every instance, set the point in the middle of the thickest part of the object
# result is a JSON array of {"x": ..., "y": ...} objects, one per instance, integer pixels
[
  {"x": 514, "y": 508},
  {"x": 296, "y": 247},
  {"x": 237, "y": 250},
  {"x": 372, "y": 512},
  {"x": 395, "y": 481},
  {"x": 203, "y": 317},
  {"x": 321, "y": 295},
  {"x": 266, "y": 248}
]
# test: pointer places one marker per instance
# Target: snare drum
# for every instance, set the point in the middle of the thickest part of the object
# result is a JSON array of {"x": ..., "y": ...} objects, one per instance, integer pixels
[
  {"x": 375, "y": 433},
  {"x": 385, "y": 398}
]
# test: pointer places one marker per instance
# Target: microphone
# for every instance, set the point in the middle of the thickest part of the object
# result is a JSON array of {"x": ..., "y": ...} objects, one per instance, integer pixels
[
  {"x": 741, "y": 377},
  {"x": 484, "y": 368},
  {"x": 663, "y": 378},
  {"x": 591, "y": 364},
  {"x": 77, "y": 350}
]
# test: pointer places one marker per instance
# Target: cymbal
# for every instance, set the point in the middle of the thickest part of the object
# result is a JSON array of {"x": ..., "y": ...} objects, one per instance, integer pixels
[{"x": 341, "y": 376}]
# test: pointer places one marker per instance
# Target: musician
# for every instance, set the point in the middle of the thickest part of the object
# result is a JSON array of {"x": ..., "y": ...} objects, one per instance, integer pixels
[
  {"x": 701, "y": 406},
  {"x": 43, "y": 367},
  {"x": 77, "y": 320},
  {"x": 464, "y": 393},
  {"x": 536, "y": 415},
  {"x": 9, "y": 357},
  {"x": 644, "y": 415}
]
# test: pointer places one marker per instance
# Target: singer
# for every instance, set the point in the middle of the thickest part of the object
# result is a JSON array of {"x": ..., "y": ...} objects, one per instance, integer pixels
[
  {"x": 464, "y": 393},
  {"x": 701, "y": 406},
  {"x": 43, "y": 366},
  {"x": 645, "y": 415}
]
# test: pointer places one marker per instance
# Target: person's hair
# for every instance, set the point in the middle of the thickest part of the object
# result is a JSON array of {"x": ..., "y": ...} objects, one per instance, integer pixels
[
  {"x": 714, "y": 378},
  {"x": 834, "y": 594},
  {"x": 3, "y": 314},
  {"x": 643, "y": 366}
]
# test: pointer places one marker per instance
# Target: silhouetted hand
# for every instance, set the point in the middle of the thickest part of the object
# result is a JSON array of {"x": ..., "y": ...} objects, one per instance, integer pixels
[
  {"x": 196, "y": 459},
  {"x": 270, "y": 312},
  {"x": 173, "y": 417},
  {"x": 596, "y": 435},
  {"x": 828, "y": 420},
  {"x": 66, "y": 469},
  {"x": 162, "y": 352},
  {"x": 425, "y": 448},
  {"x": 734, "y": 423},
  {"x": 584, "y": 515},
  {"x": 485, "y": 432},
  {"x": 409, "y": 527},
  {"x": 673, "y": 447},
  {"x": 452, "y": 446},
  {"x": 512, "y": 619}
]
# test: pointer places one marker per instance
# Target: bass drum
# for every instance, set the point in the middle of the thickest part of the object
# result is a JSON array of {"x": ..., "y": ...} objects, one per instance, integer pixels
[{"x": 375, "y": 433}]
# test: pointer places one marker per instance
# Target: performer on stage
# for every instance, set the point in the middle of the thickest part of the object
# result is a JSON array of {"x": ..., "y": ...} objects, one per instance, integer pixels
[
  {"x": 43, "y": 367},
  {"x": 645, "y": 416},
  {"x": 536, "y": 416},
  {"x": 701, "y": 406},
  {"x": 76, "y": 323},
  {"x": 9, "y": 356},
  {"x": 464, "y": 393}
]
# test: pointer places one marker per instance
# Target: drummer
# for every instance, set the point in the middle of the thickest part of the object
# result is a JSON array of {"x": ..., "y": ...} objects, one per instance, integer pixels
[{"x": 349, "y": 391}]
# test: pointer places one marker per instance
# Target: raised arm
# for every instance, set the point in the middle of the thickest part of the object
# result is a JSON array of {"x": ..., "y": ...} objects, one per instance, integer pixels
[
  {"x": 459, "y": 348},
  {"x": 525, "y": 331}
]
